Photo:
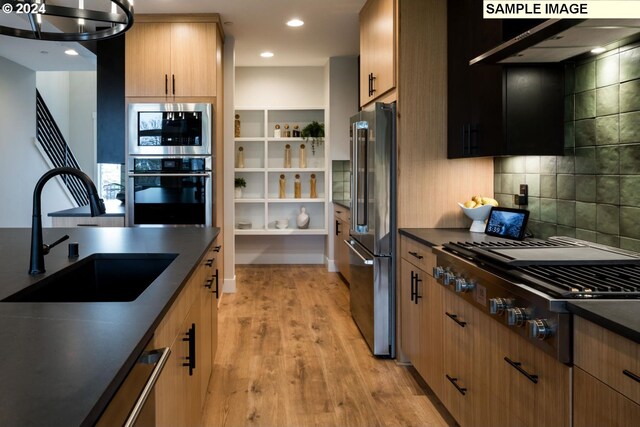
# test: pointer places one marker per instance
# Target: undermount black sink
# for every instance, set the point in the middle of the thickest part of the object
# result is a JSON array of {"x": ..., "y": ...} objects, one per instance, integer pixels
[{"x": 98, "y": 278}]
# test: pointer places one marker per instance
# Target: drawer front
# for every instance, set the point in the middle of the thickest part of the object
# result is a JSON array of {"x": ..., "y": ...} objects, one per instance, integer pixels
[
  {"x": 417, "y": 254},
  {"x": 342, "y": 213},
  {"x": 612, "y": 359}
]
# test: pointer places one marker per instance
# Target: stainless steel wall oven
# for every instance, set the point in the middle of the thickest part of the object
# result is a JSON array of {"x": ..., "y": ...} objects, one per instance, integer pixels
[{"x": 169, "y": 191}]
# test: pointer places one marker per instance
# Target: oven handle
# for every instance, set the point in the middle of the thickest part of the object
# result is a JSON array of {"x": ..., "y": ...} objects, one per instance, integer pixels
[
  {"x": 365, "y": 260},
  {"x": 140, "y": 175}
]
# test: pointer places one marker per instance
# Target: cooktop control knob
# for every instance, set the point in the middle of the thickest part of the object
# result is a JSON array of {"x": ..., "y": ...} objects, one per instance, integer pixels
[
  {"x": 516, "y": 316},
  {"x": 540, "y": 329},
  {"x": 498, "y": 305},
  {"x": 449, "y": 277},
  {"x": 438, "y": 272},
  {"x": 463, "y": 285}
]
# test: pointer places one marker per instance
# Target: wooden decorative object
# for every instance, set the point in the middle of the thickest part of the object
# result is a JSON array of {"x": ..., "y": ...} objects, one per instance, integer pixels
[
  {"x": 237, "y": 126},
  {"x": 240, "y": 157},
  {"x": 282, "y": 186},
  {"x": 303, "y": 156},
  {"x": 313, "y": 193},
  {"x": 287, "y": 156},
  {"x": 297, "y": 188}
]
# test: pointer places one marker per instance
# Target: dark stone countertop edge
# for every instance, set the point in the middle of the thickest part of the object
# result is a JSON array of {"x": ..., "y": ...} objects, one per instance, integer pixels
[
  {"x": 620, "y": 317},
  {"x": 114, "y": 209}
]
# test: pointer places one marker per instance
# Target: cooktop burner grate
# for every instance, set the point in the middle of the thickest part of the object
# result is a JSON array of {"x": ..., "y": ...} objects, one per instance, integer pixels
[
  {"x": 510, "y": 244},
  {"x": 589, "y": 281}
]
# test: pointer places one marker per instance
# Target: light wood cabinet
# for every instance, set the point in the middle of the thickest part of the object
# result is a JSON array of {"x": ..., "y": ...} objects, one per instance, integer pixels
[
  {"x": 595, "y": 404},
  {"x": 420, "y": 315},
  {"x": 342, "y": 218},
  {"x": 605, "y": 390},
  {"x": 170, "y": 59},
  {"x": 377, "y": 49},
  {"x": 190, "y": 330}
]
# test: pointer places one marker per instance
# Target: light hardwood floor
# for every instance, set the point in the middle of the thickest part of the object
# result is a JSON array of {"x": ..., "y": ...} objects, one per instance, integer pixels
[{"x": 289, "y": 354}]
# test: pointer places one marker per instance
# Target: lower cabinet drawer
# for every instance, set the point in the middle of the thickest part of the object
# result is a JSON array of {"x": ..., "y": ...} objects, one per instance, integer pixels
[{"x": 417, "y": 254}]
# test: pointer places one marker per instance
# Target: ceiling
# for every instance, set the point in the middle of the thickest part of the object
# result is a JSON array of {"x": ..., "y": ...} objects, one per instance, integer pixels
[{"x": 331, "y": 29}]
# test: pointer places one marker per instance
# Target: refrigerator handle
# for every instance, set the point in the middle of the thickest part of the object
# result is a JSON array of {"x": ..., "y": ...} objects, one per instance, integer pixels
[{"x": 360, "y": 180}]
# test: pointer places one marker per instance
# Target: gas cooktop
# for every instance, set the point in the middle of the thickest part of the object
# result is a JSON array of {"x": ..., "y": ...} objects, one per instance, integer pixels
[{"x": 560, "y": 267}]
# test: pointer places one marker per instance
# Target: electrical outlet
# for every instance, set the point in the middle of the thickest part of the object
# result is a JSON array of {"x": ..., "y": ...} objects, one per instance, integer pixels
[{"x": 522, "y": 199}]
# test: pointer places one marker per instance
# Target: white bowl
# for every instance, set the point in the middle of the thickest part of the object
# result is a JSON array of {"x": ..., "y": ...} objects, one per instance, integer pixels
[
  {"x": 282, "y": 223},
  {"x": 479, "y": 216}
]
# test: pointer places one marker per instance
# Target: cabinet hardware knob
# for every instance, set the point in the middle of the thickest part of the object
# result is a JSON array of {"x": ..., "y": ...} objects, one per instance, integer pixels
[
  {"x": 217, "y": 248},
  {"x": 209, "y": 262}
]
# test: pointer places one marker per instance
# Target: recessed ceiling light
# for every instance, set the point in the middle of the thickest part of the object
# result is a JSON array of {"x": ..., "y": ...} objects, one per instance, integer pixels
[
  {"x": 266, "y": 54},
  {"x": 71, "y": 52},
  {"x": 295, "y": 23},
  {"x": 598, "y": 49}
]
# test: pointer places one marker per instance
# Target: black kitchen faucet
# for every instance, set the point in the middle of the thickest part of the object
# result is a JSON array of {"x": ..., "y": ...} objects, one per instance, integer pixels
[{"x": 38, "y": 249}]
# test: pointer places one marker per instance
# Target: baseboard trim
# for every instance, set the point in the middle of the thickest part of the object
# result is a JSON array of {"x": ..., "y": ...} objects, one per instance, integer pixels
[{"x": 229, "y": 286}]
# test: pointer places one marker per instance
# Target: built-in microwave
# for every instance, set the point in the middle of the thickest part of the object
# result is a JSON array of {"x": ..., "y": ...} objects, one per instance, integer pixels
[{"x": 182, "y": 129}]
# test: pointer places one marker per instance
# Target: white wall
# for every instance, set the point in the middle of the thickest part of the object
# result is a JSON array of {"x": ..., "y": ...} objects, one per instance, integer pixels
[
  {"x": 229, "y": 162},
  {"x": 72, "y": 100},
  {"x": 21, "y": 164},
  {"x": 299, "y": 87},
  {"x": 260, "y": 87},
  {"x": 343, "y": 103}
]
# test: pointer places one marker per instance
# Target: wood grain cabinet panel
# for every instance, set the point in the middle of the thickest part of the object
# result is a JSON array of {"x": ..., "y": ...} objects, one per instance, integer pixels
[
  {"x": 595, "y": 404},
  {"x": 609, "y": 357},
  {"x": 171, "y": 60},
  {"x": 377, "y": 49}
]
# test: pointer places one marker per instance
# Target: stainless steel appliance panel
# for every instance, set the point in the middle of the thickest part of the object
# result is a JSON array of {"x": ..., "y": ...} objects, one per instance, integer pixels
[
  {"x": 373, "y": 178},
  {"x": 372, "y": 298},
  {"x": 167, "y": 134}
]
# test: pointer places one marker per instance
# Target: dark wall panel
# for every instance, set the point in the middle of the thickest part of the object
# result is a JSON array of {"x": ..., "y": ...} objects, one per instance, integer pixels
[{"x": 111, "y": 109}]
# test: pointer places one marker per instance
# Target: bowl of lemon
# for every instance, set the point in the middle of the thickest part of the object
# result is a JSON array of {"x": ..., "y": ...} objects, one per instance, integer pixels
[{"x": 477, "y": 209}]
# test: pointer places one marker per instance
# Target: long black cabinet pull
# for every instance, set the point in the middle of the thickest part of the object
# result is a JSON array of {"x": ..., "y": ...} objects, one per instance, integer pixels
[
  {"x": 337, "y": 227},
  {"x": 631, "y": 375},
  {"x": 173, "y": 84},
  {"x": 191, "y": 359},
  {"x": 413, "y": 285},
  {"x": 215, "y": 277},
  {"x": 454, "y": 317},
  {"x": 373, "y": 84},
  {"x": 166, "y": 84},
  {"x": 454, "y": 381},
  {"x": 415, "y": 254},
  {"x": 531, "y": 377},
  {"x": 417, "y": 297}
]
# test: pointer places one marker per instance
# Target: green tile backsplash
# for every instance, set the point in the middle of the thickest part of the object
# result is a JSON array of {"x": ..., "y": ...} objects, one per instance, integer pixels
[{"x": 593, "y": 191}]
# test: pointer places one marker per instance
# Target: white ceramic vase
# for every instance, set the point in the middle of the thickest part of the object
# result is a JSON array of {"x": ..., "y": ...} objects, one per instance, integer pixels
[
  {"x": 303, "y": 219},
  {"x": 238, "y": 192}
]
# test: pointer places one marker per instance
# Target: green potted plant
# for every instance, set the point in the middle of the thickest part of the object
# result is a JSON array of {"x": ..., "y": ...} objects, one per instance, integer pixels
[
  {"x": 239, "y": 184},
  {"x": 314, "y": 131}
]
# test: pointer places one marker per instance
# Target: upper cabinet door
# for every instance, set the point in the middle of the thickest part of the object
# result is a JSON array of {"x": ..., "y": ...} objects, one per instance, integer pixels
[
  {"x": 377, "y": 49},
  {"x": 147, "y": 59},
  {"x": 193, "y": 59}
]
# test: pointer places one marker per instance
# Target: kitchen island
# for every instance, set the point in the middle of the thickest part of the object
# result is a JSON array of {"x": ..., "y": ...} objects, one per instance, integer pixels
[{"x": 61, "y": 363}]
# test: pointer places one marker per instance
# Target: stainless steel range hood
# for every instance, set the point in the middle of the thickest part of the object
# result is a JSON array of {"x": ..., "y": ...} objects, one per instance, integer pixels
[{"x": 556, "y": 40}]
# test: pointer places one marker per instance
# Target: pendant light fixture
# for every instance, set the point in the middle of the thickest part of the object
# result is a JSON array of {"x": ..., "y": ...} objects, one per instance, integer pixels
[{"x": 69, "y": 20}]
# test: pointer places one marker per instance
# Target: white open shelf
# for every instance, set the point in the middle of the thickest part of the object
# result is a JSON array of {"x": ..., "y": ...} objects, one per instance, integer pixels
[{"x": 264, "y": 163}]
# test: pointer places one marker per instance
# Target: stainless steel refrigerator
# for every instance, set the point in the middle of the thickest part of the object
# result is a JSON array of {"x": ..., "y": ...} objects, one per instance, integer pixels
[{"x": 373, "y": 223}]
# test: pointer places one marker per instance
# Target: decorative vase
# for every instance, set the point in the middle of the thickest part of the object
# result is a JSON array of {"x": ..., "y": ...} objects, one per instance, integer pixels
[
  {"x": 303, "y": 156},
  {"x": 277, "y": 133},
  {"x": 297, "y": 188},
  {"x": 237, "y": 126},
  {"x": 240, "y": 157},
  {"x": 287, "y": 156},
  {"x": 282, "y": 187},
  {"x": 303, "y": 219},
  {"x": 238, "y": 192},
  {"x": 313, "y": 192}
]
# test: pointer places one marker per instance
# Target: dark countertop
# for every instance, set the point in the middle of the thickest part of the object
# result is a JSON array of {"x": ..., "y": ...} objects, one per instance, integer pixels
[
  {"x": 113, "y": 207},
  {"x": 343, "y": 203},
  {"x": 62, "y": 362},
  {"x": 437, "y": 236},
  {"x": 619, "y": 316}
]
